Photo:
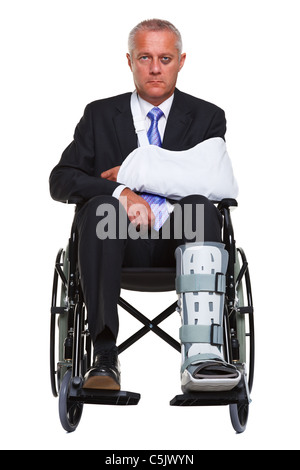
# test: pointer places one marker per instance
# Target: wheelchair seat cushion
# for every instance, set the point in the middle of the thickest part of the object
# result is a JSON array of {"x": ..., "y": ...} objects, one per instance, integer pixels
[{"x": 148, "y": 279}]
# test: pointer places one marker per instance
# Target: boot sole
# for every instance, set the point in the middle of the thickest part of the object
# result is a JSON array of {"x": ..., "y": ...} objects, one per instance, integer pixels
[{"x": 189, "y": 384}]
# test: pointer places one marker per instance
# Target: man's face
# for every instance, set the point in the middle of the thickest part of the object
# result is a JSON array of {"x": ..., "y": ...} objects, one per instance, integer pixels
[{"x": 155, "y": 64}]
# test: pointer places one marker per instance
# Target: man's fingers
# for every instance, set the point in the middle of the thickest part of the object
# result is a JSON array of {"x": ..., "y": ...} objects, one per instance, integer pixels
[
  {"x": 111, "y": 174},
  {"x": 106, "y": 174},
  {"x": 152, "y": 219},
  {"x": 140, "y": 215}
]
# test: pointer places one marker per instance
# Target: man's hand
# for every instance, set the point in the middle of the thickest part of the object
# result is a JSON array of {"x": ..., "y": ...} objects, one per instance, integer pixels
[
  {"x": 138, "y": 210},
  {"x": 111, "y": 174}
]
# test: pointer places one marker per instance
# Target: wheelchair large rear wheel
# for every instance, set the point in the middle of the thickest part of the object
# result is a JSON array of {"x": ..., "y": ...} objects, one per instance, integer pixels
[
  {"x": 70, "y": 411},
  {"x": 243, "y": 320}
]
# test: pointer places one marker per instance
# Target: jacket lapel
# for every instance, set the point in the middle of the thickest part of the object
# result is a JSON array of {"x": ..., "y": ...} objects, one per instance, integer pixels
[
  {"x": 124, "y": 127},
  {"x": 178, "y": 124}
]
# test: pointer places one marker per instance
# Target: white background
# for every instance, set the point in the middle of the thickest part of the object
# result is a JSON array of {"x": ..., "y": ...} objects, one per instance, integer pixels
[{"x": 56, "y": 57}]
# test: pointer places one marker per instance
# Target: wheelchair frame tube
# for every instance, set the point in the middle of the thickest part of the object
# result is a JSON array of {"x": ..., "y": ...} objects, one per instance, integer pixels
[
  {"x": 228, "y": 237},
  {"x": 77, "y": 340},
  {"x": 75, "y": 300}
]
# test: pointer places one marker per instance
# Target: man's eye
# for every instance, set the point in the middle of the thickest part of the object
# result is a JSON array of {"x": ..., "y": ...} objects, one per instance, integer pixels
[
  {"x": 166, "y": 60},
  {"x": 144, "y": 57}
]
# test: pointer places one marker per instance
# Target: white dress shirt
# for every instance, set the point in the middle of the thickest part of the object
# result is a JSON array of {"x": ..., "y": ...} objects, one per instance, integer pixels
[{"x": 165, "y": 107}]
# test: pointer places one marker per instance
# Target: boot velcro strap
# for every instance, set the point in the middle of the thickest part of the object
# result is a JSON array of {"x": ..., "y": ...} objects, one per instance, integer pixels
[
  {"x": 201, "y": 283},
  {"x": 209, "y": 334}
]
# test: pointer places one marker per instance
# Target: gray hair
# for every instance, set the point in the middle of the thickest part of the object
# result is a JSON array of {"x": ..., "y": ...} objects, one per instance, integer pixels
[{"x": 154, "y": 25}]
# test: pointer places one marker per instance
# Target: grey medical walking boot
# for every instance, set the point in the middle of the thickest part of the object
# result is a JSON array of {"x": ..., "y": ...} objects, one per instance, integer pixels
[{"x": 201, "y": 285}]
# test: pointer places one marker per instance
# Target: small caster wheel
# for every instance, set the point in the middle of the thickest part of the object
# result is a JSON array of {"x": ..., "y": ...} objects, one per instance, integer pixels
[
  {"x": 239, "y": 416},
  {"x": 70, "y": 411}
]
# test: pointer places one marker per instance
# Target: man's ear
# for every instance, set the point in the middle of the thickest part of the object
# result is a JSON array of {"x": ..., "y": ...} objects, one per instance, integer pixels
[
  {"x": 129, "y": 61},
  {"x": 182, "y": 61}
]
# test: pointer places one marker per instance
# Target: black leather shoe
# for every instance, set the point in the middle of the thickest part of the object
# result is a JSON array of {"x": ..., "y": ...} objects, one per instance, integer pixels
[{"x": 105, "y": 373}]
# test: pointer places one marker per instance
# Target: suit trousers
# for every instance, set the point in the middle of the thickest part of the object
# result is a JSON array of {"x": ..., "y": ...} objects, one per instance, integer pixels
[{"x": 107, "y": 242}]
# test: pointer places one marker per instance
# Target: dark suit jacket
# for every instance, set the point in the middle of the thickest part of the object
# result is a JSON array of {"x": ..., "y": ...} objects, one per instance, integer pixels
[{"x": 105, "y": 136}]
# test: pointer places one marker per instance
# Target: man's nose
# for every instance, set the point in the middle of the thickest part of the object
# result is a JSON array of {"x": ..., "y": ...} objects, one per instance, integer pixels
[{"x": 155, "y": 67}]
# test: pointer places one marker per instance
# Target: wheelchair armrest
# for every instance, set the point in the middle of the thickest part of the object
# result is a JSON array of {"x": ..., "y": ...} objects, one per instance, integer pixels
[{"x": 226, "y": 203}]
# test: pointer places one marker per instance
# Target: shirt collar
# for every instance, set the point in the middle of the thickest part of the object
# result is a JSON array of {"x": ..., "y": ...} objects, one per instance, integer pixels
[{"x": 165, "y": 106}]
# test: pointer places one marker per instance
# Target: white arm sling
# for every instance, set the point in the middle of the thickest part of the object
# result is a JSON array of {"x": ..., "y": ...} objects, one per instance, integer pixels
[{"x": 204, "y": 169}]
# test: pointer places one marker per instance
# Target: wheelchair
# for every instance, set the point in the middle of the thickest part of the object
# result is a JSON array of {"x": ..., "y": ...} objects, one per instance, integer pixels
[{"x": 70, "y": 342}]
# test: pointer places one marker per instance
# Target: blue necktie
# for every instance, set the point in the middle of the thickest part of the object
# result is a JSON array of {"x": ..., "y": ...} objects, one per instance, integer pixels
[{"x": 158, "y": 204}]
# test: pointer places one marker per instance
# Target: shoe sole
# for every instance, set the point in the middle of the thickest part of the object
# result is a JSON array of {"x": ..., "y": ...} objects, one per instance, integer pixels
[
  {"x": 189, "y": 384},
  {"x": 101, "y": 383}
]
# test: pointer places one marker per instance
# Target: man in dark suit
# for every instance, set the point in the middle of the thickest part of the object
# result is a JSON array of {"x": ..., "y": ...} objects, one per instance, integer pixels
[{"x": 87, "y": 176}]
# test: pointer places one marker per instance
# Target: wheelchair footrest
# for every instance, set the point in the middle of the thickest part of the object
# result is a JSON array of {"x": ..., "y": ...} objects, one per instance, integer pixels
[
  {"x": 105, "y": 397},
  {"x": 234, "y": 396}
]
